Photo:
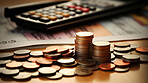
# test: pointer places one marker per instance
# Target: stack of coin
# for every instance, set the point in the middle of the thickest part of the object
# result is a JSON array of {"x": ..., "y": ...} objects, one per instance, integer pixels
[
  {"x": 83, "y": 45},
  {"x": 101, "y": 52},
  {"x": 21, "y": 54}
]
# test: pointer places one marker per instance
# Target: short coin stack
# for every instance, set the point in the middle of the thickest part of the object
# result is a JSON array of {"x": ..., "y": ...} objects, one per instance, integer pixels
[
  {"x": 83, "y": 45},
  {"x": 101, "y": 52}
]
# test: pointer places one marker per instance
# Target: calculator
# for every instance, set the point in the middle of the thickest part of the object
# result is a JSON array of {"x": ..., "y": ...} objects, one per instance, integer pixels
[{"x": 53, "y": 15}]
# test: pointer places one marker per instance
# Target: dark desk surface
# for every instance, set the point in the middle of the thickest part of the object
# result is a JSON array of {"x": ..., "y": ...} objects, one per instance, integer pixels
[{"x": 137, "y": 74}]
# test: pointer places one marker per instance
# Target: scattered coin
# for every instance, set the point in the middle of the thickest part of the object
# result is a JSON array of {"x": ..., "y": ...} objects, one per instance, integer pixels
[
  {"x": 22, "y": 57},
  {"x": 13, "y": 64},
  {"x": 31, "y": 65},
  {"x": 87, "y": 62},
  {"x": 53, "y": 56},
  {"x": 34, "y": 73},
  {"x": 134, "y": 46},
  {"x": 131, "y": 58},
  {"x": 125, "y": 49},
  {"x": 68, "y": 54},
  {"x": 66, "y": 60},
  {"x": 117, "y": 69},
  {"x": 55, "y": 77},
  {"x": 47, "y": 71},
  {"x": 119, "y": 55},
  {"x": 144, "y": 58},
  {"x": 62, "y": 49},
  {"x": 67, "y": 72},
  {"x": 93, "y": 68},
  {"x": 5, "y": 55},
  {"x": 2, "y": 69},
  {"x": 33, "y": 59},
  {"x": 21, "y": 52},
  {"x": 36, "y": 53},
  {"x": 70, "y": 65},
  {"x": 83, "y": 71},
  {"x": 106, "y": 66},
  {"x": 56, "y": 67},
  {"x": 44, "y": 61},
  {"x": 10, "y": 71},
  {"x": 121, "y": 63},
  {"x": 22, "y": 76},
  {"x": 142, "y": 49},
  {"x": 4, "y": 62},
  {"x": 122, "y": 44}
]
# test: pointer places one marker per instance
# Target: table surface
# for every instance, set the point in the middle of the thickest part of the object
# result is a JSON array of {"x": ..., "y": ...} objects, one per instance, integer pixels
[{"x": 138, "y": 73}]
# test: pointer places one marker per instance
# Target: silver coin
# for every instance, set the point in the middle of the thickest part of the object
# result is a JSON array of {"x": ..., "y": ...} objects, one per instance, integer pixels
[
  {"x": 84, "y": 34},
  {"x": 36, "y": 53},
  {"x": 55, "y": 77},
  {"x": 134, "y": 46},
  {"x": 83, "y": 71},
  {"x": 67, "y": 72},
  {"x": 117, "y": 69},
  {"x": 3, "y": 62},
  {"x": 21, "y": 52},
  {"x": 34, "y": 73},
  {"x": 131, "y": 57},
  {"x": 10, "y": 71},
  {"x": 22, "y": 76},
  {"x": 47, "y": 70},
  {"x": 66, "y": 60},
  {"x": 5, "y": 55},
  {"x": 144, "y": 58},
  {"x": 126, "y": 49},
  {"x": 122, "y": 44},
  {"x": 2, "y": 69}
]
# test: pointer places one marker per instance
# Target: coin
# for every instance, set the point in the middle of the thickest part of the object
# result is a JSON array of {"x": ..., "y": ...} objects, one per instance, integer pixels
[
  {"x": 56, "y": 67},
  {"x": 5, "y": 55},
  {"x": 134, "y": 46},
  {"x": 119, "y": 55},
  {"x": 31, "y": 65},
  {"x": 144, "y": 58},
  {"x": 33, "y": 59},
  {"x": 68, "y": 54},
  {"x": 47, "y": 71},
  {"x": 62, "y": 49},
  {"x": 112, "y": 56},
  {"x": 84, "y": 34},
  {"x": 10, "y": 71},
  {"x": 55, "y": 77},
  {"x": 22, "y": 57},
  {"x": 102, "y": 44},
  {"x": 22, "y": 76},
  {"x": 67, "y": 72},
  {"x": 122, "y": 44},
  {"x": 36, "y": 53},
  {"x": 70, "y": 65},
  {"x": 34, "y": 73},
  {"x": 44, "y": 61},
  {"x": 121, "y": 63},
  {"x": 66, "y": 60},
  {"x": 131, "y": 58},
  {"x": 53, "y": 56},
  {"x": 106, "y": 66},
  {"x": 125, "y": 49},
  {"x": 2, "y": 69},
  {"x": 4, "y": 62},
  {"x": 117, "y": 69},
  {"x": 21, "y": 52},
  {"x": 142, "y": 49},
  {"x": 13, "y": 64},
  {"x": 93, "y": 68},
  {"x": 83, "y": 71},
  {"x": 87, "y": 62}
]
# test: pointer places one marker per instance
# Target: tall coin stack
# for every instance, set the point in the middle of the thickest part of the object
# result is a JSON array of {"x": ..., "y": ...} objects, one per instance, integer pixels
[
  {"x": 83, "y": 45},
  {"x": 101, "y": 52}
]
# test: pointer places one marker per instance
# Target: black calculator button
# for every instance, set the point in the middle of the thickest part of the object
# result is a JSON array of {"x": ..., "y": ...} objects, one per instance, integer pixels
[
  {"x": 44, "y": 19},
  {"x": 35, "y": 17},
  {"x": 72, "y": 13},
  {"x": 59, "y": 6},
  {"x": 53, "y": 18},
  {"x": 79, "y": 11},
  {"x": 85, "y": 9},
  {"x": 66, "y": 14},
  {"x": 71, "y": 9},
  {"x": 26, "y": 14},
  {"x": 92, "y": 8},
  {"x": 59, "y": 16}
]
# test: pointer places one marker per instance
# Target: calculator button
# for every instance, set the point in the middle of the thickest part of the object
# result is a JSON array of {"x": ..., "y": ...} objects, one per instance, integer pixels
[
  {"x": 65, "y": 11},
  {"x": 39, "y": 10},
  {"x": 72, "y": 13},
  {"x": 71, "y": 6},
  {"x": 59, "y": 6},
  {"x": 77, "y": 4},
  {"x": 79, "y": 11},
  {"x": 59, "y": 16},
  {"x": 46, "y": 9},
  {"x": 44, "y": 19},
  {"x": 26, "y": 14},
  {"x": 39, "y": 14},
  {"x": 59, "y": 9},
  {"x": 85, "y": 6},
  {"x": 45, "y": 12},
  {"x": 52, "y": 11},
  {"x": 71, "y": 9},
  {"x": 58, "y": 12},
  {"x": 66, "y": 14},
  {"x": 92, "y": 8},
  {"x": 35, "y": 17},
  {"x": 32, "y": 12},
  {"x": 53, "y": 18},
  {"x": 85, "y": 9},
  {"x": 45, "y": 15},
  {"x": 78, "y": 7},
  {"x": 65, "y": 7},
  {"x": 51, "y": 14}
]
